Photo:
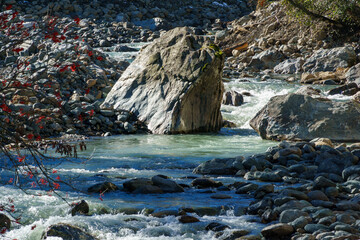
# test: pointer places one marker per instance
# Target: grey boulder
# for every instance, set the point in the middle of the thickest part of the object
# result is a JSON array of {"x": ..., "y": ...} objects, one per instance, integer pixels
[
  {"x": 300, "y": 117},
  {"x": 174, "y": 85}
]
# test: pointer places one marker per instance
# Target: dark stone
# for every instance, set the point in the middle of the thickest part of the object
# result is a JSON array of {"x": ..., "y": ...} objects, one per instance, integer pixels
[
  {"x": 103, "y": 187},
  {"x": 205, "y": 183},
  {"x": 188, "y": 219},
  {"x": 67, "y": 232},
  {"x": 80, "y": 208},
  {"x": 216, "y": 227},
  {"x": 5, "y": 222}
]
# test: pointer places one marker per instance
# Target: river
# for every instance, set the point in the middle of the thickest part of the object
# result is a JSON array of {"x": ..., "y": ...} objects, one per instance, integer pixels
[{"x": 120, "y": 158}]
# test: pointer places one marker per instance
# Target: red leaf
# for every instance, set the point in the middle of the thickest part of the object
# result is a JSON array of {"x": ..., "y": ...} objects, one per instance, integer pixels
[
  {"x": 90, "y": 53},
  {"x": 73, "y": 67},
  {"x": 77, "y": 20},
  {"x": 76, "y": 37},
  {"x": 91, "y": 112},
  {"x": 11, "y": 180},
  {"x": 58, "y": 178},
  {"x": 8, "y": 7},
  {"x": 56, "y": 185},
  {"x": 17, "y": 50},
  {"x": 99, "y": 58},
  {"x": 64, "y": 68},
  {"x": 87, "y": 91},
  {"x": 5, "y": 108},
  {"x": 33, "y": 227},
  {"x": 3, "y": 231},
  {"x": 54, "y": 171},
  {"x": 30, "y": 136},
  {"x": 21, "y": 158},
  {"x": 38, "y": 138}
]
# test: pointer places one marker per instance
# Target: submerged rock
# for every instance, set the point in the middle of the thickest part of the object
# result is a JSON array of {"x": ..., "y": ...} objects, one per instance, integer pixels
[
  {"x": 103, "y": 187},
  {"x": 67, "y": 232},
  {"x": 299, "y": 117},
  {"x": 174, "y": 85}
]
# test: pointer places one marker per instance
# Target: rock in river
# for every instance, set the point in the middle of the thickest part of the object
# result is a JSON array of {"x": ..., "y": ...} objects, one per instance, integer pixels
[
  {"x": 299, "y": 117},
  {"x": 174, "y": 85}
]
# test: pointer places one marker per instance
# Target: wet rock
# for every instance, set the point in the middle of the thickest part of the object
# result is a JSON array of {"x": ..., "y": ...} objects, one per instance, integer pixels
[
  {"x": 205, "y": 183},
  {"x": 148, "y": 189},
  {"x": 248, "y": 187},
  {"x": 311, "y": 228},
  {"x": 260, "y": 205},
  {"x": 166, "y": 185},
  {"x": 170, "y": 106},
  {"x": 347, "y": 205},
  {"x": 267, "y": 176},
  {"x": 80, "y": 208},
  {"x": 67, "y": 232},
  {"x": 223, "y": 166},
  {"x": 162, "y": 214},
  {"x": 216, "y": 227},
  {"x": 103, "y": 187},
  {"x": 293, "y": 204},
  {"x": 188, "y": 219},
  {"x": 220, "y": 196},
  {"x": 322, "y": 182},
  {"x": 5, "y": 222},
  {"x": 233, "y": 98},
  {"x": 350, "y": 171},
  {"x": 300, "y": 222},
  {"x": 277, "y": 231},
  {"x": 296, "y": 194},
  {"x": 269, "y": 216},
  {"x": 317, "y": 195}
]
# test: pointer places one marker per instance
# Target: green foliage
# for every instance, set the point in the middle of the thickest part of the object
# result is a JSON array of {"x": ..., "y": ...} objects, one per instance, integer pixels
[{"x": 343, "y": 12}]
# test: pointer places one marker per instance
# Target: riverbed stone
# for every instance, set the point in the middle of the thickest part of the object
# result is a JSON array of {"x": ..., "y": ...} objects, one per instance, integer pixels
[
  {"x": 188, "y": 219},
  {"x": 220, "y": 166},
  {"x": 291, "y": 214},
  {"x": 353, "y": 74},
  {"x": 317, "y": 195},
  {"x": 335, "y": 120},
  {"x": 277, "y": 231},
  {"x": 216, "y": 227},
  {"x": 136, "y": 183},
  {"x": 181, "y": 97},
  {"x": 166, "y": 185},
  {"x": 311, "y": 228},
  {"x": 206, "y": 183}
]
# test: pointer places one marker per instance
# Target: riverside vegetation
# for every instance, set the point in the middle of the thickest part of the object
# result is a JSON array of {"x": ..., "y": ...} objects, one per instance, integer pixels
[{"x": 307, "y": 187}]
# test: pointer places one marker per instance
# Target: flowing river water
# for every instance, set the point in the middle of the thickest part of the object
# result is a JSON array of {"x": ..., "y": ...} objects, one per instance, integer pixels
[{"x": 119, "y": 158}]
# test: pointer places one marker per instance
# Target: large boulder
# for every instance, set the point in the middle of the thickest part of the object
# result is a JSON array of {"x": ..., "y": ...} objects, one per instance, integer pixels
[
  {"x": 300, "y": 117},
  {"x": 330, "y": 59},
  {"x": 174, "y": 85}
]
